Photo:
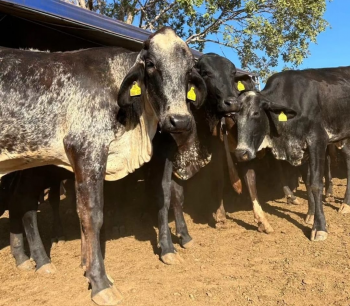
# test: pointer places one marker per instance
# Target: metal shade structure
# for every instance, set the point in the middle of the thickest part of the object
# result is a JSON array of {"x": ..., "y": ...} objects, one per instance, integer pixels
[{"x": 56, "y": 25}]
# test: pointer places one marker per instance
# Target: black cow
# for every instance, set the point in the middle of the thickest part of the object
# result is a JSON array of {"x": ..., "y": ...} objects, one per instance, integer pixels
[
  {"x": 93, "y": 112},
  {"x": 219, "y": 75},
  {"x": 297, "y": 114},
  {"x": 20, "y": 194}
]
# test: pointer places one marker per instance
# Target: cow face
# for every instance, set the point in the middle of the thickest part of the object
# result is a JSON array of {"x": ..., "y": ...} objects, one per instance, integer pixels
[
  {"x": 164, "y": 73},
  {"x": 219, "y": 76},
  {"x": 255, "y": 120}
]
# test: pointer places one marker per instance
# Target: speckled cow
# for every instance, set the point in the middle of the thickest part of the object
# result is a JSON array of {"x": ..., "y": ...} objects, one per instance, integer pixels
[{"x": 94, "y": 112}]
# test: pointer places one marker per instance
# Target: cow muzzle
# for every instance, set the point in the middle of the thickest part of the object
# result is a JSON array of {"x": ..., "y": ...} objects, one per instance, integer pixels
[
  {"x": 177, "y": 123},
  {"x": 229, "y": 105},
  {"x": 244, "y": 155}
]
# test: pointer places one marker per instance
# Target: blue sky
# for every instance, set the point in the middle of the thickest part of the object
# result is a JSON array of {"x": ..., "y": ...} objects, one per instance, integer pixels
[{"x": 333, "y": 45}]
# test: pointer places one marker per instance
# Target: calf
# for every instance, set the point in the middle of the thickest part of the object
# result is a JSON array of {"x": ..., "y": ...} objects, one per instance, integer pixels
[
  {"x": 93, "y": 112},
  {"x": 297, "y": 114},
  {"x": 219, "y": 75}
]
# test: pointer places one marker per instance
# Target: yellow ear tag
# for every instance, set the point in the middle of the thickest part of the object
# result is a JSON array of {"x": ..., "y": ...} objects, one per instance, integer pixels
[
  {"x": 282, "y": 117},
  {"x": 191, "y": 95},
  {"x": 240, "y": 86},
  {"x": 135, "y": 90}
]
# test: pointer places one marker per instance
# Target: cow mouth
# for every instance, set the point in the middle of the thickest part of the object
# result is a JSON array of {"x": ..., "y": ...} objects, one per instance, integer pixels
[{"x": 230, "y": 115}]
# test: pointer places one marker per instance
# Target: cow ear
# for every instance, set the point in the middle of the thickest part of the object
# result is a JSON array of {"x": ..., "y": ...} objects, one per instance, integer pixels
[
  {"x": 197, "y": 90},
  {"x": 284, "y": 113},
  {"x": 132, "y": 86},
  {"x": 244, "y": 83}
]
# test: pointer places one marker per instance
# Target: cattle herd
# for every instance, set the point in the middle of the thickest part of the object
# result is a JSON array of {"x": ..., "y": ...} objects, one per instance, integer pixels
[{"x": 102, "y": 113}]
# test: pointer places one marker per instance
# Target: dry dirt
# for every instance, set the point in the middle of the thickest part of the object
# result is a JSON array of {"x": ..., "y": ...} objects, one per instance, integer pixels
[{"x": 232, "y": 266}]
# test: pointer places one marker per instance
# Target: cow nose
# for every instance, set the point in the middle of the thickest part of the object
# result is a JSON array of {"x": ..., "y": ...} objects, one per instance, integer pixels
[
  {"x": 242, "y": 155},
  {"x": 228, "y": 102},
  {"x": 178, "y": 123},
  {"x": 231, "y": 105}
]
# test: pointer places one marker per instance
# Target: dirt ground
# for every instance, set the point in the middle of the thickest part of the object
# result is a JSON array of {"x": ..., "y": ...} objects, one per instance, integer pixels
[{"x": 235, "y": 265}]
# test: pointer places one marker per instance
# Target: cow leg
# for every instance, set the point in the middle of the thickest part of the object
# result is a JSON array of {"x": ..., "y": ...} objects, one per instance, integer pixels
[
  {"x": 89, "y": 169},
  {"x": 291, "y": 198},
  {"x": 16, "y": 241},
  {"x": 37, "y": 250},
  {"x": 177, "y": 200},
  {"x": 328, "y": 177},
  {"x": 168, "y": 252},
  {"x": 305, "y": 173},
  {"x": 119, "y": 213},
  {"x": 259, "y": 216},
  {"x": 317, "y": 161},
  {"x": 218, "y": 194},
  {"x": 54, "y": 199},
  {"x": 345, "y": 207}
]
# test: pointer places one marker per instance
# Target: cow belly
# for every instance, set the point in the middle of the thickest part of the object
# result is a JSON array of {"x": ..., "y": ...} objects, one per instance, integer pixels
[{"x": 10, "y": 162}]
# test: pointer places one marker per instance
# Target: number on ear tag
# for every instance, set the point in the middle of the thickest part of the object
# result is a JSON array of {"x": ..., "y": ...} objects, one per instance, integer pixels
[
  {"x": 240, "y": 86},
  {"x": 135, "y": 90},
  {"x": 282, "y": 117},
  {"x": 191, "y": 94}
]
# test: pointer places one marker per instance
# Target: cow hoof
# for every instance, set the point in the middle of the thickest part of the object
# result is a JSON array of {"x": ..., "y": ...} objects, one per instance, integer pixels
[
  {"x": 108, "y": 296},
  {"x": 189, "y": 245},
  {"x": 318, "y": 235},
  {"x": 344, "y": 209},
  {"x": 265, "y": 228},
  {"x": 172, "y": 259},
  {"x": 309, "y": 219},
  {"x": 28, "y": 265},
  {"x": 110, "y": 279},
  {"x": 293, "y": 200},
  {"x": 221, "y": 225},
  {"x": 219, "y": 216},
  {"x": 47, "y": 269}
]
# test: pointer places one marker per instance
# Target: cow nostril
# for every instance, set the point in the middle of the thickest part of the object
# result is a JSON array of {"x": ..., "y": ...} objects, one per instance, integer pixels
[
  {"x": 173, "y": 121},
  {"x": 245, "y": 156},
  {"x": 228, "y": 102}
]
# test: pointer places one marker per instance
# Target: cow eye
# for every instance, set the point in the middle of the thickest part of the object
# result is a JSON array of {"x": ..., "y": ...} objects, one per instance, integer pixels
[
  {"x": 205, "y": 73},
  {"x": 149, "y": 64},
  {"x": 255, "y": 114}
]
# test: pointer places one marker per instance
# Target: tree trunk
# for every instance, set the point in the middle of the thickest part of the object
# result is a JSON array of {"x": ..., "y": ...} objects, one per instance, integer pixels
[
  {"x": 130, "y": 17},
  {"x": 90, "y": 5},
  {"x": 82, "y": 3}
]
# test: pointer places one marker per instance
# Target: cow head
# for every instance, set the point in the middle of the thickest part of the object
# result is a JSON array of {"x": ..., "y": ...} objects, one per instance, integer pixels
[
  {"x": 164, "y": 73},
  {"x": 219, "y": 75},
  {"x": 257, "y": 118}
]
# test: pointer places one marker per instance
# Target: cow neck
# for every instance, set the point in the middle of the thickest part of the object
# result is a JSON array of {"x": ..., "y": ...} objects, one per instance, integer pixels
[{"x": 133, "y": 147}]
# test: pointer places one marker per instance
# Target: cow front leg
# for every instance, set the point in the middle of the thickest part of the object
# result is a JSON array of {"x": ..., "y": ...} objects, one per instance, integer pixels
[
  {"x": 218, "y": 194},
  {"x": 54, "y": 200},
  {"x": 345, "y": 207},
  {"x": 259, "y": 215},
  {"x": 328, "y": 177},
  {"x": 168, "y": 252},
  {"x": 37, "y": 250},
  {"x": 16, "y": 241},
  {"x": 291, "y": 198},
  {"x": 317, "y": 161},
  {"x": 177, "y": 200},
  {"x": 305, "y": 173},
  {"x": 89, "y": 168}
]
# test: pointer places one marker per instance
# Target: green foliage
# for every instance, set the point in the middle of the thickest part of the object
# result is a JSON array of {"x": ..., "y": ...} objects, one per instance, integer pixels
[{"x": 261, "y": 31}]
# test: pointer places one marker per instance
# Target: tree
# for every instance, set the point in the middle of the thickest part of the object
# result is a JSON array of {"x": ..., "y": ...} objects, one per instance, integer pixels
[{"x": 261, "y": 31}]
